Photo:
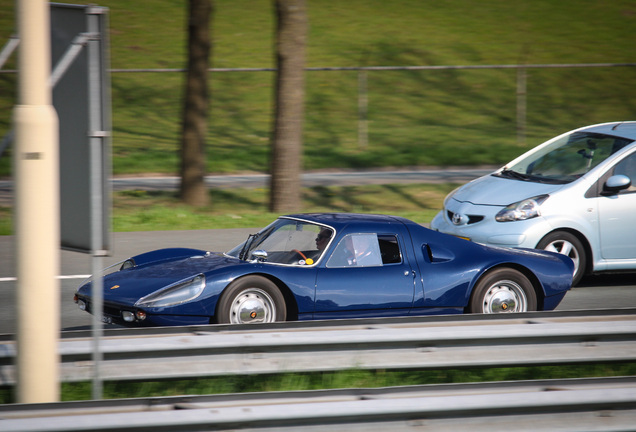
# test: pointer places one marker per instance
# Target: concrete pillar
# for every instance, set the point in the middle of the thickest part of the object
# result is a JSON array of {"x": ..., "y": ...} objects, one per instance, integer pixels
[{"x": 36, "y": 210}]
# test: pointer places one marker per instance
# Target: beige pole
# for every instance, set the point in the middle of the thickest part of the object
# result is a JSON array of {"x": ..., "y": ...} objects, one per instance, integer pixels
[{"x": 36, "y": 211}]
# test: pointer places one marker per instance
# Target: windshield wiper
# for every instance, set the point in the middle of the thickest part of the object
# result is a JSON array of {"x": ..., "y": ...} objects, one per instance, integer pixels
[
  {"x": 506, "y": 172},
  {"x": 550, "y": 180},
  {"x": 532, "y": 178},
  {"x": 246, "y": 246}
]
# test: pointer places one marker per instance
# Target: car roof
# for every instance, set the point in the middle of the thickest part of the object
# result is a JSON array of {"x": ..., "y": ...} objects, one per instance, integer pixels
[
  {"x": 339, "y": 220},
  {"x": 624, "y": 129}
]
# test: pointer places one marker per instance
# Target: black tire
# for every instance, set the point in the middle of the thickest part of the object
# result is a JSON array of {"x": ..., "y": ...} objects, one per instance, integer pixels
[
  {"x": 568, "y": 244},
  {"x": 251, "y": 299},
  {"x": 503, "y": 290}
]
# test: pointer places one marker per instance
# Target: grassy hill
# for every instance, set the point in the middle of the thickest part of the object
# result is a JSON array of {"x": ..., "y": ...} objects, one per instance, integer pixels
[{"x": 416, "y": 118}]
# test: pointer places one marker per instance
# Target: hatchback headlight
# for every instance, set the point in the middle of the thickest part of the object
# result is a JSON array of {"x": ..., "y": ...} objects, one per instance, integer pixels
[
  {"x": 178, "y": 293},
  {"x": 522, "y": 210}
]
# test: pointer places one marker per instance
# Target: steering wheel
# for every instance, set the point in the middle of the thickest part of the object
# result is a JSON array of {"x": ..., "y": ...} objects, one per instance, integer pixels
[{"x": 300, "y": 253}]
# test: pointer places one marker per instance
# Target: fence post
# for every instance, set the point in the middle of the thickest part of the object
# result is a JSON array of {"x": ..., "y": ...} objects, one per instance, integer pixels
[
  {"x": 522, "y": 76},
  {"x": 363, "y": 102}
]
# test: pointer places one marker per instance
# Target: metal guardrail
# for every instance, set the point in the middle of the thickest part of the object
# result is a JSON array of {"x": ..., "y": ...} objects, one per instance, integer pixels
[
  {"x": 607, "y": 404},
  {"x": 309, "y": 179},
  {"x": 442, "y": 342}
]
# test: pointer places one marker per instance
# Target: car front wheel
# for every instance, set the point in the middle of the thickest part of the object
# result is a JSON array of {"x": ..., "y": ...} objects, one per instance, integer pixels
[
  {"x": 566, "y": 244},
  {"x": 503, "y": 291},
  {"x": 251, "y": 299}
]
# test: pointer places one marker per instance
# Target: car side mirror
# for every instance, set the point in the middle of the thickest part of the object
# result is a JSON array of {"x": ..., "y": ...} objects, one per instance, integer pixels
[
  {"x": 616, "y": 183},
  {"x": 259, "y": 255}
]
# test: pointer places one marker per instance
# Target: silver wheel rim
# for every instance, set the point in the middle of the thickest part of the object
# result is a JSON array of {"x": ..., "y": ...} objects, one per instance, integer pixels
[
  {"x": 505, "y": 296},
  {"x": 252, "y": 305},
  {"x": 566, "y": 248}
]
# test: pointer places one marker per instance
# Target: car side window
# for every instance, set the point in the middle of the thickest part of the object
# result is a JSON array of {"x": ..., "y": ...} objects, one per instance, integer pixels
[
  {"x": 627, "y": 167},
  {"x": 389, "y": 249},
  {"x": 356, "y": 250}
]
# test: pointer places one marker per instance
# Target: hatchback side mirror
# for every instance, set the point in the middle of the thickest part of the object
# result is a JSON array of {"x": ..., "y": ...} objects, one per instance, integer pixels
[{"x": 616, "y": 183}]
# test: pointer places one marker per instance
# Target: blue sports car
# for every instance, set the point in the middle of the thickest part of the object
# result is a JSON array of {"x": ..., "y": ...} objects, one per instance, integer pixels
[{"x": 330, "y": 265}]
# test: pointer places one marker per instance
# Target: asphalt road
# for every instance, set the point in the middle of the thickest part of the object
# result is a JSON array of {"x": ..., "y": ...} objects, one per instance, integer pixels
[
  {"x": 331, "y": 178},
  {"x": 597, "y": 292}
]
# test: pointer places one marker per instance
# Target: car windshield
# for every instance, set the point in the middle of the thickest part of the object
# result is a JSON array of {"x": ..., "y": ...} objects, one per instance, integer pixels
[
  {"x": 285, "y": 241},
  {"x": 566, "y": 158}
]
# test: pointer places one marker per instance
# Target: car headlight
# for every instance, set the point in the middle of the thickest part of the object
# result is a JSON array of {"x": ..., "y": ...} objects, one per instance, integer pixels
[
  {"x": 177, "y": 293},
  {"x": 522, "y": 210}
]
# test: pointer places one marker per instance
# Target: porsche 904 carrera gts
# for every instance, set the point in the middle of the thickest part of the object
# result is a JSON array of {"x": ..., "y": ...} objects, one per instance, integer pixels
[{"x": 327, "y": 266}]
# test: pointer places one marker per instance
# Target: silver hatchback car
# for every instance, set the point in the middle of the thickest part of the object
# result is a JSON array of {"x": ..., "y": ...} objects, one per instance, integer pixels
[{"x": 572, "y": 194}]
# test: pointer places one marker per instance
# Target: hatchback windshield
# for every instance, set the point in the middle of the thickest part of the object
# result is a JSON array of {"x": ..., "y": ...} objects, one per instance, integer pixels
[
  {"x": 566, "y": 159},
  {"x": 285, "y": 241}
]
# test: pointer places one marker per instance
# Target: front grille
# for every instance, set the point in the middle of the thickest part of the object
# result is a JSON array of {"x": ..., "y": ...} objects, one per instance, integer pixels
[
  {"x": 472, "y": 219},
  {"x": 111, "y": 311}
]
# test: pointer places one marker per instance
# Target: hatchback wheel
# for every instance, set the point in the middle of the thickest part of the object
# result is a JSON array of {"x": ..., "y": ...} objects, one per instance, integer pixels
[{"x": 566, "y": 244}]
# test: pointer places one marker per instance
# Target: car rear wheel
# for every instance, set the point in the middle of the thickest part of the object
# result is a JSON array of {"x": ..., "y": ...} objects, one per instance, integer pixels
[
  {"x": 251, "y": 299},
  {"x": 566, "y": 244},
  {"x": 503, "y": 291}
]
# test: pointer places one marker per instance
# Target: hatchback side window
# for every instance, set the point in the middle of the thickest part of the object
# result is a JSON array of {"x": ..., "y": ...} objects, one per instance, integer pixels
[{"x": 627, "y": 167}]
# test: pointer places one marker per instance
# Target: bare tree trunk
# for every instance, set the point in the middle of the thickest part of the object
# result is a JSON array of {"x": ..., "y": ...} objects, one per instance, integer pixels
[
  {"x": 195, "y": 113},
  {"x": 291, "y": 37}
]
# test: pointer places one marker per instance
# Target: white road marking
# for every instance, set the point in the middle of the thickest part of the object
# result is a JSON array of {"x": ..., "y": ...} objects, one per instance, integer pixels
[{"x": 13, "y": 279}]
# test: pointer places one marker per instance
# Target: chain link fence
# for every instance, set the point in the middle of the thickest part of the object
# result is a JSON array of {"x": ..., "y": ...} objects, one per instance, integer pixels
[{"x": 364, "y": 117}]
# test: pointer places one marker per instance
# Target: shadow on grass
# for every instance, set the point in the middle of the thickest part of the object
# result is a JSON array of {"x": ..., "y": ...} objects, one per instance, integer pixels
[
  {"x": 337, "y": 199},
  {"x": 407, "y": 196},
  {"x": 239, "y": 198}
]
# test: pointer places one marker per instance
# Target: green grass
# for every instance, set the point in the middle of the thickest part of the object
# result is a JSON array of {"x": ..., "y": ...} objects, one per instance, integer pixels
[
  {"x": 416, "y": 118},
  {"x": 6, "y": 225},
  {"x": 330, "y": 380}
]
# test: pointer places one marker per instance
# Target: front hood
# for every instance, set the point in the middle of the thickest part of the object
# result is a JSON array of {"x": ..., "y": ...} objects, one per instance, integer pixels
[
  {"x": 128, "y": 286},
  {"x": 497, "y": 191}
]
